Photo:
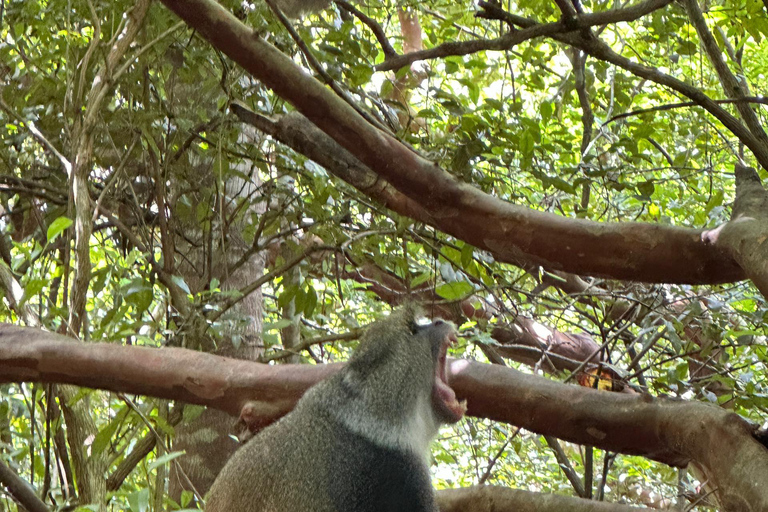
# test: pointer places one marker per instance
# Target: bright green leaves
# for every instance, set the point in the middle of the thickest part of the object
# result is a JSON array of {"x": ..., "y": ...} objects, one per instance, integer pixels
[{"x": 57, "y": 227}]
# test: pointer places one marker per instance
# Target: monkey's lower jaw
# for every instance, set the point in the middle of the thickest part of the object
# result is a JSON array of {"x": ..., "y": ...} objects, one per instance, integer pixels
[{"x": 444, "y": 399}]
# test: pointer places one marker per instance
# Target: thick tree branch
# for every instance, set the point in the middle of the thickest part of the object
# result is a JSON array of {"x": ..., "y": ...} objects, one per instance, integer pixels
[
  {"x": 672, "y": 431},
  {"x": 515, "y": 234},
  {"x": 21, "y": 491},
  {"x": 745, "y": 235},
  {"x": 501, "y": 499}
]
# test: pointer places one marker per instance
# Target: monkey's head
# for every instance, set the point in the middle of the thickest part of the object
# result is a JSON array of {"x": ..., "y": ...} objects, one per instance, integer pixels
[{"x": 400, "y": 366}]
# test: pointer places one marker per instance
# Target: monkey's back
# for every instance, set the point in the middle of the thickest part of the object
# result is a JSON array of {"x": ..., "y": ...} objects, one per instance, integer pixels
[
  {"x": 311, "y": 462},
  {"x": 260, "y": 477}
]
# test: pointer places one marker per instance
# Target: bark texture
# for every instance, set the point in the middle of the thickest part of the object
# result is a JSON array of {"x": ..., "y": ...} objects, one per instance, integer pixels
[
  {"x": 675, "y": 432},
  {"x": 515, "y": 234}
]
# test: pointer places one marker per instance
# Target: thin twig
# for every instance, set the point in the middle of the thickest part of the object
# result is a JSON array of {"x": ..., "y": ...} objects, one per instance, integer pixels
[
  {"x": 378, "y": 32},
  {"x": 315, "y": 64}
]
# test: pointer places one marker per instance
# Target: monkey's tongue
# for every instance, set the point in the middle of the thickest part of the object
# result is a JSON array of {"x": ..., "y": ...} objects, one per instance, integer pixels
[{"x": 444, "y": 397}]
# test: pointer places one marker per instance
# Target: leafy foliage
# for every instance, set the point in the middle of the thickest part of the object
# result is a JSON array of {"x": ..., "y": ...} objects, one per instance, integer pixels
[{"x": 186, "y": 194}]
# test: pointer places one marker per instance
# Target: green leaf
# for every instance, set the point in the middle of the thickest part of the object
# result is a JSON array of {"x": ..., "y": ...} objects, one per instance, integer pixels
[
  {"x": 561, "y": 184},
  {"x": 421, "y": 278},
  {"x": 455, "y": 291},
  {"x": 287, "y": 295},
  {"x": 310, "y": 302},
  {"x": 715, "y": 200},
  {"x": 467, "y": 255},
  {"x": 57, "y": 227},
  {"x": 186, "y": 498},
  {"x": 545, "y": 109},
  {"x": 165, "y": 459},
  {"x": 646, "y": 189},
  {"x": 139, "y": 501},
  {"x": 104, "y": 436},
  {"x": 179, "y": 281},
  {"x": 278, "y": 325},
  {"x": 138, "y": 294}
]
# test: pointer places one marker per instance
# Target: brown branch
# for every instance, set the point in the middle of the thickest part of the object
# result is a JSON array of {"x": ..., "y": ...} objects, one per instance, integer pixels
[
  {"x": 141, "y": 449},
  {"x": 515, "y": 234},
  {"x": 452, "y": 49},
  {"x": 763, "y": 100},
  {"x": 256, "y": 284},
  {"x": 303, "y": 136},
  {"x": 378, "y": 32},
  {"x": 297, "y": 132},
  {"x": 178, "y": 296},
  {"x": 21, "y": 491},
  {"x": 568, "y": 10},
  {"x": 730, "y": 84},
  {"x": 83, "y": 150},
  {"x": 283, "y": 354},
  {"x": 502, "y": 499},
  {"x": 315, "y": 64},
  {"x": 42, "y": 139},
  {"x": 670, "y": 431},
  {"x": 579, "y": 61},
  {"x": 745, "y": 234},
  {"x": 532, "y": 31},
  {"x": 602, "y": 51},
  {"x": 565, "y": 466}
]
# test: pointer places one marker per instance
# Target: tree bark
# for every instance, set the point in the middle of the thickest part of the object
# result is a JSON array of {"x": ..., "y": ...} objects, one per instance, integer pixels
[
  {"x": 501, "y": 499},
  {"x": 744, "y": 236},
  {"x": 515, "y": 234},
  {"x": 675, "y": 432}
]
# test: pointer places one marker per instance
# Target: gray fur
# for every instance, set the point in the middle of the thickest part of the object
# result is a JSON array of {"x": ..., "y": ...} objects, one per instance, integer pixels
[{"x": 356, "y": 442}]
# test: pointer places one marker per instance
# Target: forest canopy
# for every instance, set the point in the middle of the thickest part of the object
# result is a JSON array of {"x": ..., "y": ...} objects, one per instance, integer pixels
[{"x": 203, "y": 204}]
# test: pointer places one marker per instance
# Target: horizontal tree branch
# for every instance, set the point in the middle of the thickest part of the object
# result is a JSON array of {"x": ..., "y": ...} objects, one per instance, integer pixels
[
  {"x": 762, "y": 100},
  {"x": 567, "y": 32},
  {"x": 670, "y": 431},
  {"x": 510, "y": 39},
  {"x": 502, "y": 499}
]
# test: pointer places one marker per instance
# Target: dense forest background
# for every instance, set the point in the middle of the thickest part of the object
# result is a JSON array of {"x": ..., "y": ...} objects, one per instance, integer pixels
[{"x": 578, "y": 186}]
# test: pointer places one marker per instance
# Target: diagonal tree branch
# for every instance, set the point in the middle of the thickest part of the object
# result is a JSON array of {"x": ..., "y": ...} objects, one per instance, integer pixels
[
  {"x": 731, "y": 85},
  {"x": 515, "y": 234},
  {"x": 21, "y": 491},
  {"x": 596, "y": 48}
]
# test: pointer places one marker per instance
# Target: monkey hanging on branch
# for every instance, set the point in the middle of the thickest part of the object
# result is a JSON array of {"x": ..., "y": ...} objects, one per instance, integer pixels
[{"x": 359, "y": 440}]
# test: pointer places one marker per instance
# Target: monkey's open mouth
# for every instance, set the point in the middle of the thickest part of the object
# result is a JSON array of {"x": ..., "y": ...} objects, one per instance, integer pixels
[{"x": 444, "y": 397}]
